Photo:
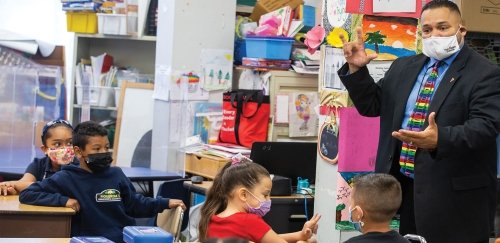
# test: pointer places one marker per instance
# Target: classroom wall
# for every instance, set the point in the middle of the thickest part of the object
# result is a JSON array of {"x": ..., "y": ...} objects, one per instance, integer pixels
[{"x": 46, "y": 22}]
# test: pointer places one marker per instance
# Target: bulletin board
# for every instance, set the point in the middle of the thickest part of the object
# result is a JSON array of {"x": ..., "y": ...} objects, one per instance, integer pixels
[{"x": 134, "y": 119}]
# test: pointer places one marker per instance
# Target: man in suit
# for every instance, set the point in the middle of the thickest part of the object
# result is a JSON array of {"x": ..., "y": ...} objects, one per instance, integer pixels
[{"x": 450, "y": 181}]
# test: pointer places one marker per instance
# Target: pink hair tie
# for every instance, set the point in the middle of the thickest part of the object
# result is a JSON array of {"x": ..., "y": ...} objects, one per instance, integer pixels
[{"x": 238, "y": 159}]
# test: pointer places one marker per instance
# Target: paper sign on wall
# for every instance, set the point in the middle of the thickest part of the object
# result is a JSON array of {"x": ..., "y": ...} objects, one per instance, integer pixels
[
  {"x": 394, "y": 6},
  {"x": 358, "y": 141}
]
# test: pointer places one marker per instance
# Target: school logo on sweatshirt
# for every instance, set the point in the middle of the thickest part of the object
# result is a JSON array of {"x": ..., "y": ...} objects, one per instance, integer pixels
[{"x": 108, "y": 195}]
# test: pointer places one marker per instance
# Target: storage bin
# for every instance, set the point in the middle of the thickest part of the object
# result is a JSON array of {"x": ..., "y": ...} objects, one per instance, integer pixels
[
  {"x": 278, "y": 48},
  {"x": 204, "y": 165},
  {"x": 81, "y": 22},
  {"x": 112, "y": 24},
  {"x": 140, "y": 234},
  {"x": 118, "y": 92},
  {"x": 99, "y": 96}
]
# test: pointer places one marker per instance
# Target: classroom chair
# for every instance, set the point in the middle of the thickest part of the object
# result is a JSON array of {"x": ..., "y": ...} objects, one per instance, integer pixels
[
  {"x": 416, "y": 238},
  {"x": 175, "y": 189},
  {"x": 170, "y": 220}
]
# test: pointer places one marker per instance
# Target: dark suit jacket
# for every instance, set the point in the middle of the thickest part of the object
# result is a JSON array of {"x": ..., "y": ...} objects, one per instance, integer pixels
[{"x": 454, "y": 185}]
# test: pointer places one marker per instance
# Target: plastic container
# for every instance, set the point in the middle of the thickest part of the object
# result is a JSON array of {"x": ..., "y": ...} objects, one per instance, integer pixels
[
  {"x": 99, "y": 96},
  {"x": 81, "y": 22},
  {"x": 118, "y": 92},
  {"x": 112, "y": 24},
  {"x": 106, "y": 97},
  {"x": 278, "y": 48},
  {"x": 140, "y": 234},
  {"x": 93, "y": 98},
  {"x": 89, "y": 239}
]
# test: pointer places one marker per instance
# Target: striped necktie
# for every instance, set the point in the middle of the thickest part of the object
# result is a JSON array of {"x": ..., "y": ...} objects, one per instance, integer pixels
[{"x": 417, "y": 119}]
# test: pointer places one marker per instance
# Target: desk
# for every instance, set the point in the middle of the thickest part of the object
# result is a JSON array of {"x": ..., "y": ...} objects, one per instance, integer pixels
[
  {"x": 147, "y": 175},
  {"x": 287, "y": 212},
  {"x": 21, "y": 220}
]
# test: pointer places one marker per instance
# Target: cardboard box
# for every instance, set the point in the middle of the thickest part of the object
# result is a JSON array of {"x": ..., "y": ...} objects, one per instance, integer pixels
[
  {"x": 204, "y": 165},
  {"x": 480, "y": 15},
  {"x": 266, "y": 6}
]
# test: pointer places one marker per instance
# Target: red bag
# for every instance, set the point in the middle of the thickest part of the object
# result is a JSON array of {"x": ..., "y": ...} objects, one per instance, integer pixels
[{"x": 245, "y": 117}]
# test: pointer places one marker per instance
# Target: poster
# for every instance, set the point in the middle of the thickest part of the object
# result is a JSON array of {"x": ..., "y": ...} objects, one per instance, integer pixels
[
  {"x": 390, "y": 37},
  {"x": 303, "y": 121}
]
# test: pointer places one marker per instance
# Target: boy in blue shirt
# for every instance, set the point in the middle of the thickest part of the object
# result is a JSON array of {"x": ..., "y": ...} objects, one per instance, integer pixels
[{"x": 103, "y": 197}]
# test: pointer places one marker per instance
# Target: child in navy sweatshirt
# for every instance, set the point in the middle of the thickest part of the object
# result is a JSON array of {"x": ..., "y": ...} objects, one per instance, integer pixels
[{"x": 103, "y": 197}]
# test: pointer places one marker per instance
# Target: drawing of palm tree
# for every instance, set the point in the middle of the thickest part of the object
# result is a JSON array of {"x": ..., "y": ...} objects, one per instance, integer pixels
[{"x": 376, "y": 39}]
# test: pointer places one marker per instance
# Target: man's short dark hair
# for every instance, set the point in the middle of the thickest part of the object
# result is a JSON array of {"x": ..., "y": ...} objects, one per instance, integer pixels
[
  {"x": 442, "y": 4},
  {"x": 87, "y": 129},
  {"x": 379, "y": 195}
]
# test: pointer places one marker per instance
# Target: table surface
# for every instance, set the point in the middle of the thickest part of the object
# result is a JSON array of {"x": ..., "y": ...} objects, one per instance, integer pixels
[
  {"x": 11, "y": 205},
  {"x": 134, "y": 173}
]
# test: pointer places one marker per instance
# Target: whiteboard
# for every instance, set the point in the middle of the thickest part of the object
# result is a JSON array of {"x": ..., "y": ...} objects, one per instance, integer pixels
[{"x": 134, "y": 119}]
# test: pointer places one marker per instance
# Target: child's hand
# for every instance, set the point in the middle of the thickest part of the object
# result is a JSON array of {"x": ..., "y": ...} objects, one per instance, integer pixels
[
  {"x": 173, "y": 203},
  {"x": 7, "y": 188},
  {"x": 73, "y": 203},
  {"x": 310, "y": 227}
]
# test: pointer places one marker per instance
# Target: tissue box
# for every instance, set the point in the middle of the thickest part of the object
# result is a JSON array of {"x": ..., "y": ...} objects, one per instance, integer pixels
[{"x": 143, "y": 234}]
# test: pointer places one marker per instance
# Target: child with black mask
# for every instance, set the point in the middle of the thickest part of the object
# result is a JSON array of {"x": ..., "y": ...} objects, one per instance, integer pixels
[{"x": 104, "y": 198}]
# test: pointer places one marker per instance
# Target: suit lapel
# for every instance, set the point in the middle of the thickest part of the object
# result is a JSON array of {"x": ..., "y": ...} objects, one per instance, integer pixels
[
  {"x": 404, "y": 89},
  {"x": 450, "y": 78}
]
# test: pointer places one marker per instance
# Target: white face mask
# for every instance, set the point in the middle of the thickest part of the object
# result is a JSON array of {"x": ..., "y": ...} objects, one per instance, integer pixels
[{"x": 440, "y": 48}]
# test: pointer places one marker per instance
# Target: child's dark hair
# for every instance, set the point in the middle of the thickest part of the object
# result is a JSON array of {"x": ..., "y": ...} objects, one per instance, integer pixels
[
  {"x": 245, "y": 173},
  {"x": 87, "y": 129},
  {"x": 379, "y": 195},
  {"x": 442, "y": 4},
  {"x": 46, "y": 134}
]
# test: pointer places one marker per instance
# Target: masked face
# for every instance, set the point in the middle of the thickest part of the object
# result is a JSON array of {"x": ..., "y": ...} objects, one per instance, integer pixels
[
  {"x": 262, "y": 209},
  {"x": 61, "y": 156},
  {"x": 440, "y": 48},
  {"x": 99, "y": 161},
  {"x": 358, "y": 225}
]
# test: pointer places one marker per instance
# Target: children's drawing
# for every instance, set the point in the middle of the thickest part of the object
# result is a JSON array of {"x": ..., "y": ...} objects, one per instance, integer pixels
[
  {"x": 303, "y": 119},
  {"x": 186, "y": 86},
  {"x": 344, "y": 188},
  {"x": 217, "y": 66},
  {"x": 390, "y": 37},
  {"x": 335, "y": 15}
]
